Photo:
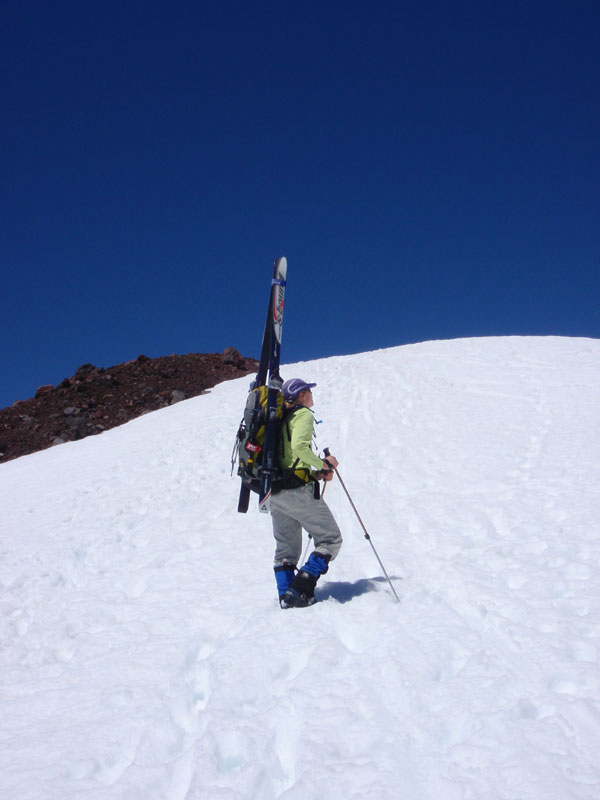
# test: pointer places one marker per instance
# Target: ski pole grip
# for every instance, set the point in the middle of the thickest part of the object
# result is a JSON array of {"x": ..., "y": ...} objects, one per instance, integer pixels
[{"x": 326, "y": 451}]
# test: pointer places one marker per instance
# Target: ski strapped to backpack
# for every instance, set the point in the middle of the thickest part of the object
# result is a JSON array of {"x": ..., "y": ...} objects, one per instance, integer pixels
[{"x": 255, "y": 445}]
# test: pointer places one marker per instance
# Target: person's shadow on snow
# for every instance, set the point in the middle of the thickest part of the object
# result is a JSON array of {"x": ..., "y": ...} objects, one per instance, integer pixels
[{"x": 345, "y": 591}]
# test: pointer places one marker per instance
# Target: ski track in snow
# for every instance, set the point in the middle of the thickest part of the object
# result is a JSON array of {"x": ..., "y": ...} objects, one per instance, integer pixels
[{"x": 143, "y": 653}]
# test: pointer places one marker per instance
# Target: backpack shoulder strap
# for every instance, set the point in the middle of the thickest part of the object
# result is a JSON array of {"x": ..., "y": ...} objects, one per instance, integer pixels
[{"x": 287, "y": 415}]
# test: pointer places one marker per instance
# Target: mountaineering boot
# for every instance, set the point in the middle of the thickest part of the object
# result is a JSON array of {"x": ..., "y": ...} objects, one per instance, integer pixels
[
  {"x": 284, "y": 575},
  {"x": 301, "y": 591}
]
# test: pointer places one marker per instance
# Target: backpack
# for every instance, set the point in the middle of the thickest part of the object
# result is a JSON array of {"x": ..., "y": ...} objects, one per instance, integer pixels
[{"x": 247, "y": 450}]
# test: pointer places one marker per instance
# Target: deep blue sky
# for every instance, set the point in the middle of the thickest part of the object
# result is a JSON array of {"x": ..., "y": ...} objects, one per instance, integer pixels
[{"x": 430, "y": 170}]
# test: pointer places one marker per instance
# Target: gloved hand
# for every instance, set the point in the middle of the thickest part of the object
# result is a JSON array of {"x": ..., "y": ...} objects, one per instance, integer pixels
[{"x": 331, "y": 461}]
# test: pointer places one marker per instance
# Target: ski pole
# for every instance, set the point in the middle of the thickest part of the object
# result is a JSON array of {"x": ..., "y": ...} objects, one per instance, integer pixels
[
  {"x": 306, "y": 549},
  {"x": 362, "y": 524}
]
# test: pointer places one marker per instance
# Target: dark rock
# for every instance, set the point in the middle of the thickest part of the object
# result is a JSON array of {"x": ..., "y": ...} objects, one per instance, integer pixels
[
  {"x": 103, "y": 398},
  {"x": 84, "y": 370},
  {"x": 231, "y": 356},
  {"x": 44, "y": 390}
]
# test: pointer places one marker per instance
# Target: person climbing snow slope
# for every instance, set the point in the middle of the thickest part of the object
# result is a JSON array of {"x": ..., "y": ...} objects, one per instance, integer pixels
[{"x": 299, "y": 504}]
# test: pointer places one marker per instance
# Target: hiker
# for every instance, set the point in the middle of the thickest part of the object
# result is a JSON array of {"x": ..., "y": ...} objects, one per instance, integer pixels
[{"x": 299, "y": 505}]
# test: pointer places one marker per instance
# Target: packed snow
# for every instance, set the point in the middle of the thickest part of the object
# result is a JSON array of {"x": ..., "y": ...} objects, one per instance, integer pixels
[{"x": 143, "y": 655}]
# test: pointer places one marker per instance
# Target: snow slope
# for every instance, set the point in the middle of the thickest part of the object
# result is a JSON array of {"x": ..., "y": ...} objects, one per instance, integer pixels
[{"x": 143, "y": 654}]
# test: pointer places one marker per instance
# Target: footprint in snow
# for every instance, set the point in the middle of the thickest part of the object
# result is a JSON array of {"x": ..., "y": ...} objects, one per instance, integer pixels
[{"x": 454, "y": 661}]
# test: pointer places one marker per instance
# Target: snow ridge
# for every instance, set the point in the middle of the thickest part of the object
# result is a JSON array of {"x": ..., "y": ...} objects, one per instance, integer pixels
[{"x": 143, "y": 654}]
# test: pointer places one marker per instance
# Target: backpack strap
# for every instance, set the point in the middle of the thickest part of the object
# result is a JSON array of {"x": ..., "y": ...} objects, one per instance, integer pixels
[
  {"x": 289, "y": 478},
  {"x": 287, "y": 415}
]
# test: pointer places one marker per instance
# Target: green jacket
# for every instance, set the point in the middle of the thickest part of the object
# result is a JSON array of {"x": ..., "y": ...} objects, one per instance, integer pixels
[{"x": 297, "y": 448}]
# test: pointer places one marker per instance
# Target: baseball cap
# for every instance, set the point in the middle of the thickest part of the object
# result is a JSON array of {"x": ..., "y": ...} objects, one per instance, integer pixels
[{"x": 294, "y": 386}]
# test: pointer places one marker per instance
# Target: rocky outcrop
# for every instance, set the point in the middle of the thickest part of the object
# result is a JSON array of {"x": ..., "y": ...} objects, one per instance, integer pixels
[{"x": 95, "y": 399}]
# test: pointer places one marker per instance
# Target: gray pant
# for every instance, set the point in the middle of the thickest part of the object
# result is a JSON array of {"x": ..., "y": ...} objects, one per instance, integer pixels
[{"x": 294, "y": 509}]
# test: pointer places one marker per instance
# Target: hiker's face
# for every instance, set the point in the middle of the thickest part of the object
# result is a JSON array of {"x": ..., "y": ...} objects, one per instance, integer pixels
[{"x": 305, "y": 398}]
